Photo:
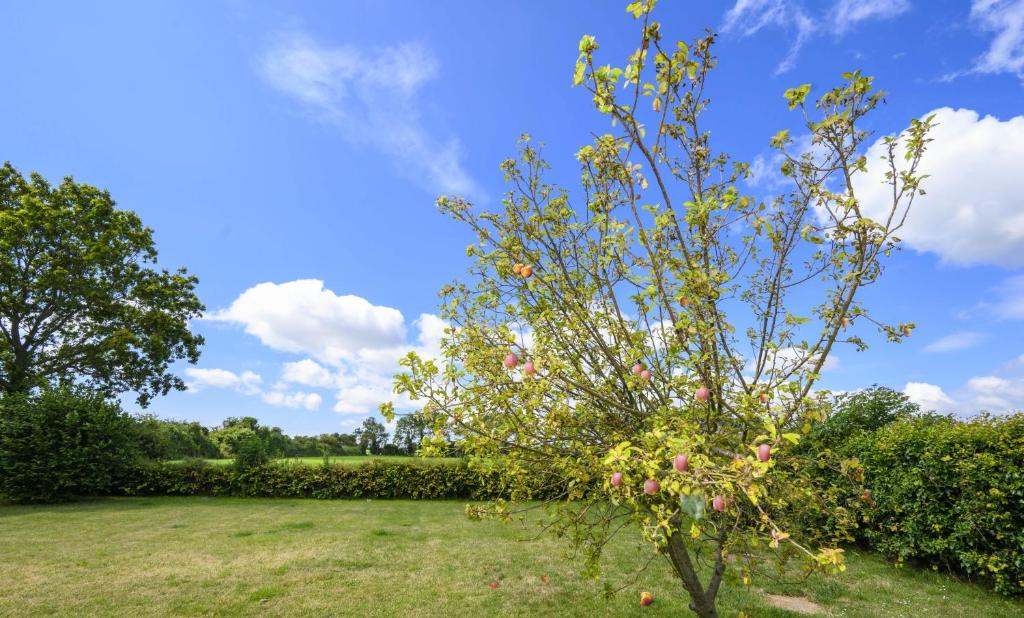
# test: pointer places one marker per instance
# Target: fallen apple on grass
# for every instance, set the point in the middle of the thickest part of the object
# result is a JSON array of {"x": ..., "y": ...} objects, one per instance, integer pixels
[
  {"x": 646, "y": 598},
  {"x": 681, "y": 463},
  {"x": 651, "y": 487},
  {"x": 616, "y": 479},
  {"x": 718, "y": 503}
]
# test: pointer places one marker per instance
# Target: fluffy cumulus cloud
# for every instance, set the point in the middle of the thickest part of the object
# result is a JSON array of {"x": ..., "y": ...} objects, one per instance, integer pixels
[
  {"x": 374, "y": 97},
  {"x": 295, "y": 399},
  {"x": 246, "y": 382},
  {"x": 304, "y": 317},
  {"x": 971, "y": 213},
  {"x": 929, "y": 396},
  {"x": 806, "y": 20},
  {"x": 1000, "y": 392},
  {"x": 350, "y": 347}
]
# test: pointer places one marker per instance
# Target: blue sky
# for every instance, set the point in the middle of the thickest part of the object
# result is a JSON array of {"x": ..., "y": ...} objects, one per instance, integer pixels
[{"x": 289, "y": 155}]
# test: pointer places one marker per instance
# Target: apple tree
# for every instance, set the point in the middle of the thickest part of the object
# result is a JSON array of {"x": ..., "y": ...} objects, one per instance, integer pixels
[{"x": 643, "y": 351}]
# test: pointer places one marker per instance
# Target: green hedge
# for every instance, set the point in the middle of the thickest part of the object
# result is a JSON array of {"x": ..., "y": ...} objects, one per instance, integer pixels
[
  {"x": 61, "y": 444},
  {"x": 948, "y": 493},
  {"x": 420, "y": 481}
]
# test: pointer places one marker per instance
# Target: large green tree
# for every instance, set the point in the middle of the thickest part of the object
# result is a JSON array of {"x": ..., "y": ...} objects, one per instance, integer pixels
[
  {"x": 81, "y": 299},
  {"x": 646, "y": 349}
]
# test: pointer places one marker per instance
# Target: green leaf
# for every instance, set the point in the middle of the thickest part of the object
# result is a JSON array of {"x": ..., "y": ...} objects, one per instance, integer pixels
[{"x": 693, "y": 505}]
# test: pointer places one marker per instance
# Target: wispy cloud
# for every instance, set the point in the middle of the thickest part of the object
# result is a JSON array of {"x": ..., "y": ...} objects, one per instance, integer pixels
[
  {"x": 747, "y": 17},
  {"x": 955, "y": 341},
  {"x": 375, "y": 98},
  {"x": 846, "y": 14},
  {"x": 1006, "y": 19}
]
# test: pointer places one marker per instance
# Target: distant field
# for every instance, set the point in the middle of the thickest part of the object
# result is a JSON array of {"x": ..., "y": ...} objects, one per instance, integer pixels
[
  {"x": 347, "y": 460},
  {"x": 282, "y": 557}
]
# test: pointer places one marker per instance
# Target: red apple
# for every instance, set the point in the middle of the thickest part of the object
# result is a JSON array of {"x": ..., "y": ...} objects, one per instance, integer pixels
[
  {"x": 545, "y": 578},
  {"x": 616, "y": 479},
  {"x": 517, "y": 268},
  {"x": 684, "y": 301},
  {"x": 646, "y": 375},
  {"x": 765, "y": 397},
  {"x": 529, "y": 368},
  {"x": 494, "y": 584},
  {"x": 637, "y": 369},
  {"x": 719, "y": 503},
  {"x": 651, "y": 487},
  {"x": 703, "y": 394},
  {"x": 646, "y": 598},
  {"x": 511, "y": 360},
  {"x": 681, "y": 463},
  {"x": 764, "y": 452},
  {"x": 526, "y": 271}
]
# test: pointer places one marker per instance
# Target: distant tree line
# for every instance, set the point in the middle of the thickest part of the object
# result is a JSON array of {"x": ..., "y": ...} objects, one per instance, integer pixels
[{"x": 162, "y": 440}]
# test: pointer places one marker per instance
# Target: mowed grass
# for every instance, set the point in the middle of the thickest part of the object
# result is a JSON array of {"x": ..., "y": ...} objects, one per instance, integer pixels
[
  {"x": 278, "y": 557},
  {"x": 345, "y": 460}
]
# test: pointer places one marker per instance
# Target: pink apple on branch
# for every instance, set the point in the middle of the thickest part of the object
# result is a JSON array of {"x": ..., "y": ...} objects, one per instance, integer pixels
[
  {"x": 702, "y": 394},
  {"x": 651, "y": 487},
  {"x": 764, "y": 452},
  {"x": 511, "y": 360}
]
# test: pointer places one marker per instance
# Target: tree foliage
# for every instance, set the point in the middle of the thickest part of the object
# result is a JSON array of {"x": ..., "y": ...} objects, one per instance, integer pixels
[
  {"x": 371, "y": 436},
  {"x": 665, "y": 313},
  {"x": 80, "y": 300}
]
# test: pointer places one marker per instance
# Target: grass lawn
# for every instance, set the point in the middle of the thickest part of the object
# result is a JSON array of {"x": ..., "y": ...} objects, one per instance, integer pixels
[
  {"x": 346, "y": 460},
  {"x": 267, "y": 557}
]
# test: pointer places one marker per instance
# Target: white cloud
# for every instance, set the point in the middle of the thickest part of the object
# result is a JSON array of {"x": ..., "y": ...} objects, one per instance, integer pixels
[
  {"x": 847, "y": 13},
  {"x": 304, "y": 317},
  {"x": 247, "y": 382},
  {"x": 308, "y": 373},
  {"x": 373, "y": 97},
  {"x": 353, "y": 346},
  {"x": 929, "y": 397},
  {"x": 747, "y": 17},
  {"x": 1006, "y": 19},
  {"x": 997, "y": 394},
  {"x": 1000, "y": 392},
  {"x": 955, "y": 341},
  {"x": 972, "y": 211},
  {"x": 296, "y": 399}
]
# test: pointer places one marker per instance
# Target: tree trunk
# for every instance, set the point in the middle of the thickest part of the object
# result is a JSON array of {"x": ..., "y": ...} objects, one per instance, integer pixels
[{"x": 702, "y": 601}]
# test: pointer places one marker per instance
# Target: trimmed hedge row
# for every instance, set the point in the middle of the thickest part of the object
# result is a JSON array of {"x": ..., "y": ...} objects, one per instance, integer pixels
[
  {"x": 941, "y": 492},
  {"x": 419, "y": 481},
  {"x": 948, "y": 493}
]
